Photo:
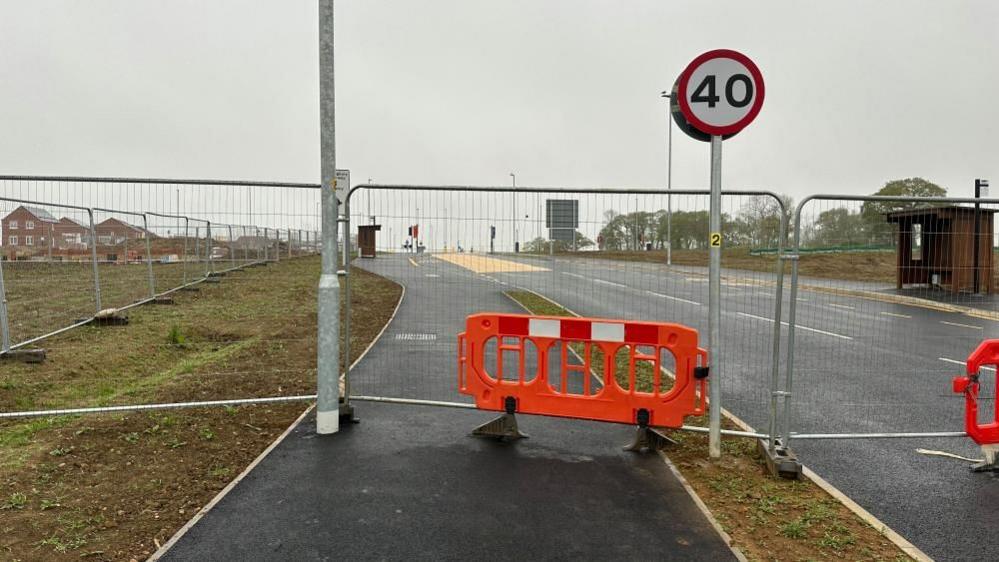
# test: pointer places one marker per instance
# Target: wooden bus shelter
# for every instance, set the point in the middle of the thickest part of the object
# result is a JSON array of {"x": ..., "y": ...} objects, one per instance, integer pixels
[
  {"x": 366, "y": 239},
  {"x": 936, "y": 246}
]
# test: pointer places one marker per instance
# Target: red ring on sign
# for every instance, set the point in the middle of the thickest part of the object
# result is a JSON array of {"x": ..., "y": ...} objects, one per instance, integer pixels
[{"x": 741, "y": 123}]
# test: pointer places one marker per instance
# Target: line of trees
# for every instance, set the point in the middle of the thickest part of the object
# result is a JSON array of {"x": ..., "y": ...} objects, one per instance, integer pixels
[{"x": 757, "y": 223}]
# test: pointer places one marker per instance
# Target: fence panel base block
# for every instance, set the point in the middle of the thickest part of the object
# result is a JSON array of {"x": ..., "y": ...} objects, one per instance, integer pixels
[
  {"x": 781, "y": 462},
  {"x": 24, "y": 355}
]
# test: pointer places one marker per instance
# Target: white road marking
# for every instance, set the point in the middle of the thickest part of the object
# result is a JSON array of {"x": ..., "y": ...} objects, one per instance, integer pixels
[
  {"x": 432, "y": 275},
  {"x": 962, "y": 363},
  {"x": 416, "y": 337},
  {"x": 843, "y": 306},
  {"x": 412, "y": 261},
  {"x": 896, "y": 315},
  {"x": 578, "y": 276},
  {"x": 601, "y": 281},
  {"x": 798, "y": 326},
  {"x": 660, "y": 295},
  {"x": 969, "y": 326}
]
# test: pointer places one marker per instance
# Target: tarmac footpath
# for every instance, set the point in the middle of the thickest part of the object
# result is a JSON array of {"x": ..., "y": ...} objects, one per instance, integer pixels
[{"x": 409, "y": 482}]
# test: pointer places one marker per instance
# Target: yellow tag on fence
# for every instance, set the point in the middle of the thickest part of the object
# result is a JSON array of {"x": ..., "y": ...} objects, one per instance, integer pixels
[{"x": 715, "y": 239}]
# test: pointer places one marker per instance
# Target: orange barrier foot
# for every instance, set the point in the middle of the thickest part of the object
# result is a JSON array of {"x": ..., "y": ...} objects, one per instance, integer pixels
[
  {"x": 647, "y": 438},
  {"x": 503, "y": 428}
]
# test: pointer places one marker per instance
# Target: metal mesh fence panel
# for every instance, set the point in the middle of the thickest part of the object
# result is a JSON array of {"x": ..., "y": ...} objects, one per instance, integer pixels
[
  {"x": 892, "y": 296},
  {"x": 62, "y": 264},
  {"x": 122, "y": 245},
  {"x": 48, "y": 267},
  {"x": 460, "y": 250}
]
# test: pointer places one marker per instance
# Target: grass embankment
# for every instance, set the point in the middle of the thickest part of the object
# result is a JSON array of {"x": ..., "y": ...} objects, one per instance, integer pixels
[
  {"x": 767, "y": 518},
  {"x": 43, "y": 297},
  {"x": 849, "y": 266},
  {"x": 112, "y": 487}
]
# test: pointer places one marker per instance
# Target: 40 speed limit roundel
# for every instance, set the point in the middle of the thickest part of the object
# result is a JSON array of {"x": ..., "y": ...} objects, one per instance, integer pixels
[{"x": 720, "y": 92}]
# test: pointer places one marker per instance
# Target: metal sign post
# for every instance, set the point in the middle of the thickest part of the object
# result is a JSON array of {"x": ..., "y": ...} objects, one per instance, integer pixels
[
  {"x": 717, "y": 95},
  {"x": 981, "y": 190},
  {"x": 342, "y": 193}
]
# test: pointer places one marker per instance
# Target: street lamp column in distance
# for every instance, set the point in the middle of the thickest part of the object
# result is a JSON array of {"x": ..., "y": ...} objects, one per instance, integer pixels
[
  {"x": 513, "y": 176},
  {"x": 669, "y": 178}
]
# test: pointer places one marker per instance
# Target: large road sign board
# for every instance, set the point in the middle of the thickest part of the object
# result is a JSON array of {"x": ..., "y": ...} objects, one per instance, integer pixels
[
  {"x": 720, "y": 92},
  {"x": 562, "y": 213}
]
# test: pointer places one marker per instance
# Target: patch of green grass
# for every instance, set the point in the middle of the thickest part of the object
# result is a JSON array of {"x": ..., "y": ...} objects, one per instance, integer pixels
[
  {"x": 61, "y": 451},
  {"x": 176, "y": 336},
  {"x": 796, "y": 529},
  {"x": 50, "y": 503},
  {"x": 16, "y": 500},
  {"x": 837, "y": 537},
  {"x": 131, "y": 437},
  {"x": 206, "y": 434},
  {"x": 63, "y": 545},
  {"x": 22, "y": 434},
  {"x": 537, "y": 304}
]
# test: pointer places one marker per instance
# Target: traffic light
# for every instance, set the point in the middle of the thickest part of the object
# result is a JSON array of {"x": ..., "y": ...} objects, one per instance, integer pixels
[{"x": 492, "y": 232}]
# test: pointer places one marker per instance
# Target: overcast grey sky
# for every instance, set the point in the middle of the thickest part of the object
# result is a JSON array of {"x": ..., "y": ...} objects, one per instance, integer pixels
[{"x": 466, "y": 91}]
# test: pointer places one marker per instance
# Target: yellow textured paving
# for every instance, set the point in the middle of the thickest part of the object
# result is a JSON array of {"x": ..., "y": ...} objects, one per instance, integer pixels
[{"x": 484, "y": 264}]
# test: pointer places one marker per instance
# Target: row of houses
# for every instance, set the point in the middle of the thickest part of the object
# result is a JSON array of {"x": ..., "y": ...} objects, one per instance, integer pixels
[
  {"x": 28, "y": 229},
  {"x": 32, "y": 231}
]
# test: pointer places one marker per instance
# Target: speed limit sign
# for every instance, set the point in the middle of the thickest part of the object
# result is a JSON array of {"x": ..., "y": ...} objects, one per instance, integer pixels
[
  {"x": 720, "y": 92},
  {"x": 716, "y": 96}
]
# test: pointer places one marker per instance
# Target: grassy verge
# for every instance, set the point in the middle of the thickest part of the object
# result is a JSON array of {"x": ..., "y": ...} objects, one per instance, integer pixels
[
  {"x": 767, "y": 518},
  {"x": 113, "y": 487},
  {"x": 849, "y": 266}
]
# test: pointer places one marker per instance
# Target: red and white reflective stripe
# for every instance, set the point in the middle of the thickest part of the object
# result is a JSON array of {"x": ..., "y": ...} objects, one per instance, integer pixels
[
  {"x": 575, "y": 330},
  {"x": 604, "y": 331},
  {"x": 579, "y": 329}
]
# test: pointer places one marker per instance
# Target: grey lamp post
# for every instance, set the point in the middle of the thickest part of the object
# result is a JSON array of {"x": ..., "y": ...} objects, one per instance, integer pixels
[
  {"x": 669, "y": 178},
  {"x": 514, "y": 178}
]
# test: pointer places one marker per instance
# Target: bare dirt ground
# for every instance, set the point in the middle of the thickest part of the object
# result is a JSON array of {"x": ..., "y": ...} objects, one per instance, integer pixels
[{"x": 114, "y": 487}]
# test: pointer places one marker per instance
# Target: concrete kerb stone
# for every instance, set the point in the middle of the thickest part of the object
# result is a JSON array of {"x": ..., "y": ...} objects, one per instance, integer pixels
[{"x": 703, "y": 507}]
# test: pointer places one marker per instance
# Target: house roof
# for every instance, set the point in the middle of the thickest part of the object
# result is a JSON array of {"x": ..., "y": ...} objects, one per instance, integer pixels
[
  {"x": 67, "y": 220},
  {"x": 118, "y": 222},
  {"x": 39, "y": 213}
]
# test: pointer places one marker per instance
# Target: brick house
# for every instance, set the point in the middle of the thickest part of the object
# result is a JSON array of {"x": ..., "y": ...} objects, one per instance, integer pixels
[
  {"x": 27, "y": 230},
  {"x": 112, "y": 232},
  {"x": 71, "y": 235}
]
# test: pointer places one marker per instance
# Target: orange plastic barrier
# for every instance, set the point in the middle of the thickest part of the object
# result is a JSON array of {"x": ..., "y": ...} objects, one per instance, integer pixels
[
  {"x": 987, "y": 353},
  {"x": 591, "y": 380}
]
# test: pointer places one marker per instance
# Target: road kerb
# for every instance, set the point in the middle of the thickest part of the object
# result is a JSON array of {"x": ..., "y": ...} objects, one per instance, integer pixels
[{"x": 703, "y": 507}]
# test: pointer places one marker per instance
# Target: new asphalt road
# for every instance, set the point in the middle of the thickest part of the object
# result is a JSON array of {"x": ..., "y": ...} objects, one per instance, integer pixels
[{"x": 861, "y": 366}]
